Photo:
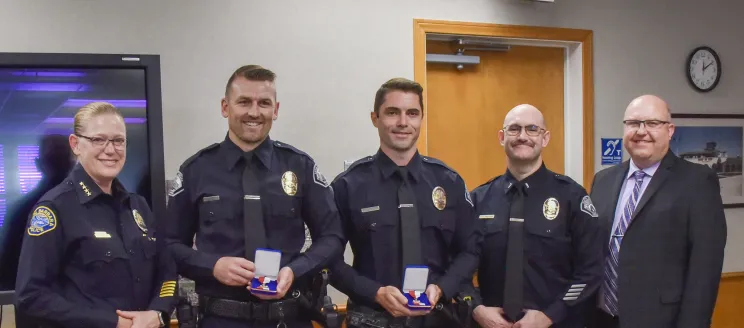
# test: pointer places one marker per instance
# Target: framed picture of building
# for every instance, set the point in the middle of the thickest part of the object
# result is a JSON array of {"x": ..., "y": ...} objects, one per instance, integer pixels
[{"x": 717, "y": 141}]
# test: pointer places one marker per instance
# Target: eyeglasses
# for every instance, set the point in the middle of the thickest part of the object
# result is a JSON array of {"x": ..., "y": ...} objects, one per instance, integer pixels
[
  {"x": 649, "y": 124},
  {"x": 118, "y": 143},
  {"x": 531, "y": 130}
]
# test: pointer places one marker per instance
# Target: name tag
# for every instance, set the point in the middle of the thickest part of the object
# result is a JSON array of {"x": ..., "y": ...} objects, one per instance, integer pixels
[
  {"x": 370, "y": 209},
  {"x": 210, "y": 199},
  {"x": 486, "y": 216},
  {"x": 101, "y": 234}
]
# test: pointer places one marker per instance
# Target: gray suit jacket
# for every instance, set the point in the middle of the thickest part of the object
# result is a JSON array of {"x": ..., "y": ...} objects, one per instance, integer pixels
[{"x": 672, "y": 252}]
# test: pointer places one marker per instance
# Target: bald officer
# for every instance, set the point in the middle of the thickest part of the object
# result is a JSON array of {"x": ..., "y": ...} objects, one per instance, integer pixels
[{"x": 541, "y": 258}]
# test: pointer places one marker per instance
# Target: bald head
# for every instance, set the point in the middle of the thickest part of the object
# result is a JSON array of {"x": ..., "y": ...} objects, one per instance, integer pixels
[
  {"x": 524, "y": 136},
  {"x": 525, "y": 114},
  {"x": 650, "y": 104},
  {"x": 648, "y": 130}
]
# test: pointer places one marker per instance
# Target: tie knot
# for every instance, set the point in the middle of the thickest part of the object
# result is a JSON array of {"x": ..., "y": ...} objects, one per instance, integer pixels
[
  {"x": 403, "y": 173},
  {"x": 248, "y": 157},
  {"x": 639, "y": 175},
  {"x": 518, "y": 187}
]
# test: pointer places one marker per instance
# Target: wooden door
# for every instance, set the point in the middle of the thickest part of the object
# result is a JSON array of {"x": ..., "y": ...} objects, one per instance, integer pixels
[{"x": 466, "y": 108}]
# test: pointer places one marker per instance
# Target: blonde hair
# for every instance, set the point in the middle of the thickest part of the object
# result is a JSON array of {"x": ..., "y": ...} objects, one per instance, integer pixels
[{"x": 87, "y": 112}]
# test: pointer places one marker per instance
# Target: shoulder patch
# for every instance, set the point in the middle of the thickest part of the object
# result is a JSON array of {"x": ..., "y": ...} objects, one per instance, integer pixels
[
  {"x": 319, "y": 178},
  {"x": 176, "y": 186},
  {"x": 43, "y": 220},
  {"x": 588, "y": 207}
]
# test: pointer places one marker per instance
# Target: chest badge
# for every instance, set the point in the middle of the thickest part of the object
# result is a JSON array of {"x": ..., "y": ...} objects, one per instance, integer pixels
[
  {"x": 289, "y": 183},
  {"x": 439, "y": 197},
  {"x": 551, "y": 208},
  {"x": 140, "y": 222}
]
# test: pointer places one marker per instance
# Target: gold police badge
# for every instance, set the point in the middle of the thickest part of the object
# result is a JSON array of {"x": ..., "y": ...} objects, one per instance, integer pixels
[
  {"x": 140, "y": 222},
  {"x": 551, "y": 208},
  {"x": 439, "y": 197},
  {"x": 289, "y": 183}
]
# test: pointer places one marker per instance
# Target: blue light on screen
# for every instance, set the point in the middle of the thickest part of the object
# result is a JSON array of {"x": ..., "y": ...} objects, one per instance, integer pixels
[
  {"x": 2, "y": 172},
  {"x": 2, "y": 187},
  {"x": 28, "y": 175},
  {"x": 2, "y": 211},
  {"x": 45, "y": 87},
  {"x": 48, "y": 74}
]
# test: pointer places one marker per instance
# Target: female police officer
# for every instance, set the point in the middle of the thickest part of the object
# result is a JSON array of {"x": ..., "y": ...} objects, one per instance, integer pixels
[{"x": 90, "y": 257}]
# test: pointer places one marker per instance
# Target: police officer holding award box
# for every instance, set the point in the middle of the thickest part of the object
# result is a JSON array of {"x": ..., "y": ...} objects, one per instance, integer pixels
[
  {"x": 247, "y": 200},
  {"x": 410, "y": 223}
]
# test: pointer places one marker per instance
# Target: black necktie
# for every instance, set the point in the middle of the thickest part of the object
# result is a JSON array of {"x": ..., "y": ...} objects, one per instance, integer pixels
[
  {"x": 513, "y": 284},
  {"x": 254, "y": 231},
  {"x": 410, "y": 227}
]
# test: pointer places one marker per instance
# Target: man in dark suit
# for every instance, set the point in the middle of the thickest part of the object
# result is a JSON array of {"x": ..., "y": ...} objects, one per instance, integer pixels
[{"x": 666, "y": 230}]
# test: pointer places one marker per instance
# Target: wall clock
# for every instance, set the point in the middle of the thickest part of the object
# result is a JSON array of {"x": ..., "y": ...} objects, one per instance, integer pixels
[{"x": 703, "y": 69}]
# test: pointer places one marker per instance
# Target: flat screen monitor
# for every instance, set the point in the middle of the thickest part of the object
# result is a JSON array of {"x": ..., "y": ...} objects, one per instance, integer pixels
[{"x": 39, "y": 96}]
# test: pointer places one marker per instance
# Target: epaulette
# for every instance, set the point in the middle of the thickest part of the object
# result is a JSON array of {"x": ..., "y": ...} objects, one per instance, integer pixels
[
  {"x": 59, "y": 190},
  {"x": 362, "y": 160},
  {"x": 433, "y": 160},
  {"x": 564, "y": 178},
  {"x": 366, "y": 159},
  {"x": 199, "y": 153},
  {"x": 489, "y": 181},
  {"x": 283, "y": 145}
]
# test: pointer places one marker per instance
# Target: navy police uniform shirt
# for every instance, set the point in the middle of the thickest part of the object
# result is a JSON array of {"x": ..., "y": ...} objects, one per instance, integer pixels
[
  {"x": 367, "y": 197},
  {"x": 563, "y": 259},
  {"x": 87, "y": 254},
  {"x": 207, "y": 201}
]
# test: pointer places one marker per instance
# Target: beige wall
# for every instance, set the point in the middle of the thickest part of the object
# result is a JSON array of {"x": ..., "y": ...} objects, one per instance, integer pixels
[
  {"x": 331, "y": 55},
  {"x": 8, "y": 317}
]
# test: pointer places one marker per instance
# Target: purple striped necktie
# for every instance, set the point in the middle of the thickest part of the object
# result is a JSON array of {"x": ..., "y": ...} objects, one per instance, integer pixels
[{"x": 612, "y": 260}]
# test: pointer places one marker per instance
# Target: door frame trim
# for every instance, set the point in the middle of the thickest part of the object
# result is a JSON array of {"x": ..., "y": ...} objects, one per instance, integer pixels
[{"x": 423, "y": 26}]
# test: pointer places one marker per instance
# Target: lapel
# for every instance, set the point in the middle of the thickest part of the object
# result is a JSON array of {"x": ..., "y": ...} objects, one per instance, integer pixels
[
  {"x": 657, "y": 181},
  {"x": 615, "y": 187}
]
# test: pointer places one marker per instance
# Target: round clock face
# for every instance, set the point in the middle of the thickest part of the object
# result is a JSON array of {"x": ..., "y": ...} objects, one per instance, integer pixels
[{"x": 704, "y": 69}]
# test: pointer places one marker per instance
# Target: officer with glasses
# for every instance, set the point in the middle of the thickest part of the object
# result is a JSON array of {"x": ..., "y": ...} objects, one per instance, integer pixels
[
  {"x": 91, "y": 254},
  {"x": 541, "y": 257}
]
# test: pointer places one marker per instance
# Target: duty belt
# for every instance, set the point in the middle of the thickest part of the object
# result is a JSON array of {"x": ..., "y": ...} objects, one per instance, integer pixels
[
  {"x": 365, "y": 317},
  {"x": 274, "y": 311}
]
